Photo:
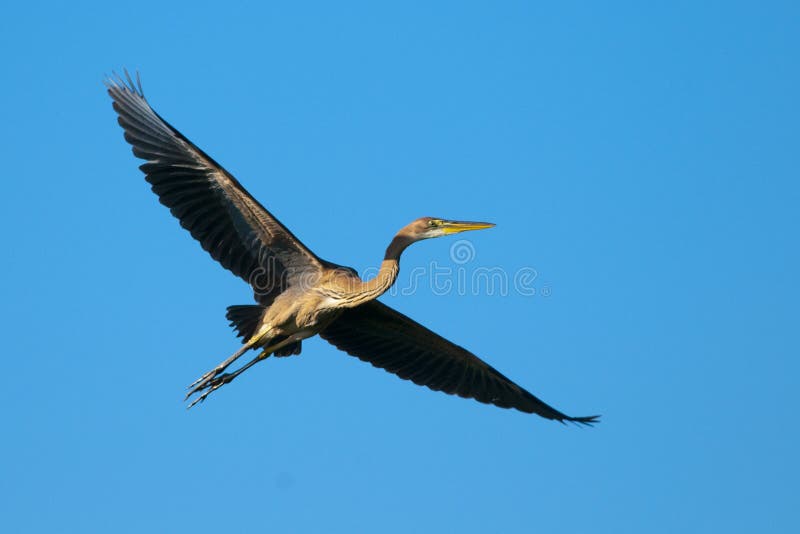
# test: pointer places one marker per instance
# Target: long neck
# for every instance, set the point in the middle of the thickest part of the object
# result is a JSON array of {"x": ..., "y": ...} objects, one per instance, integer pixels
[{"x": 360, "y": 292}]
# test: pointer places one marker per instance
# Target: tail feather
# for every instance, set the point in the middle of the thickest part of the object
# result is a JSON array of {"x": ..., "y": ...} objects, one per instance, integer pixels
[{"x": 245, "y": 319}]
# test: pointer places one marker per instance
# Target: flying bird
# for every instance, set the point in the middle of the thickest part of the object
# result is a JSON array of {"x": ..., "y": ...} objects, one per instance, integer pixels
[{"x": 298, "y": 294}]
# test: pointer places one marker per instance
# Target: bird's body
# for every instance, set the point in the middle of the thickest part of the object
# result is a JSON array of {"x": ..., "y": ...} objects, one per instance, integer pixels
[
  {"x": 312, "y": 302},
  {"x": 299, "y": 295}
]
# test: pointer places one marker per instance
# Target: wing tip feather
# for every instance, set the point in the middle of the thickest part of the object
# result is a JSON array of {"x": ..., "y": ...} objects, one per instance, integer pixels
[
  {"x": 117, "y": 83},
  {"x": 588, "y": 420}
]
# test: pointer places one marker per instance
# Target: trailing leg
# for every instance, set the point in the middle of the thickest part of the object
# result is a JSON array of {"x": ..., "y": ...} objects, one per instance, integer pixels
[
  {"x": 216, "y": 381},
  {"x": 203, "y": 381}
]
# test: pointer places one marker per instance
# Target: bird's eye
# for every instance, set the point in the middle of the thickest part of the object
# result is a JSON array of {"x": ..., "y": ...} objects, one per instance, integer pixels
[{"x": 434, "y": 222}]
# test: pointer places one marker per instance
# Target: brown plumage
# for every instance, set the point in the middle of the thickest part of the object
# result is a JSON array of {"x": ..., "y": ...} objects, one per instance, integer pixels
[{"x": 298, "y": 294}]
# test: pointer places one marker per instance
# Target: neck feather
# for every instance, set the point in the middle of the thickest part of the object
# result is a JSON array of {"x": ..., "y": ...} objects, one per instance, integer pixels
[{"x": 361, "y": 292}]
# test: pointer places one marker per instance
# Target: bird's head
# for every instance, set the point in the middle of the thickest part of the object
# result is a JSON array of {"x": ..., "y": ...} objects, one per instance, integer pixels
[{"x": 428, "y": 227}]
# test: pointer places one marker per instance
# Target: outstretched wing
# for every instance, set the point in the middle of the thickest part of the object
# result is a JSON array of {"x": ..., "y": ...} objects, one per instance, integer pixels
[
  {"x": 386, "y": 338},
  {"x": 230, "y": 224}
]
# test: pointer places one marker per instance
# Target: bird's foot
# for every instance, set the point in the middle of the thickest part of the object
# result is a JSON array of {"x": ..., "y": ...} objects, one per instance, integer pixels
[
  {"x": 212, "y": 383},
  {"x": 205, "y": 378},
  {"x": 204, "y": 381},
  {"x": 213, "y": 380}
]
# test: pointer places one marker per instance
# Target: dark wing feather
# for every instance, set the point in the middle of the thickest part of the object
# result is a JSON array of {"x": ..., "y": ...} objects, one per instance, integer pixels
[
  {"x": 386, "y": 338},
  {"x": 228, "y": 222}
]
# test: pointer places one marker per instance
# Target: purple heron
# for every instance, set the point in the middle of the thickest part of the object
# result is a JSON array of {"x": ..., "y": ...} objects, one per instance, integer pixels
[{"x": 298, "y": 294}]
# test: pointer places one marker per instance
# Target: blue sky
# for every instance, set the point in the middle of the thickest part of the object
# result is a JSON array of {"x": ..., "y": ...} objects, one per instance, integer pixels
[{"x": 641, "y": 159}]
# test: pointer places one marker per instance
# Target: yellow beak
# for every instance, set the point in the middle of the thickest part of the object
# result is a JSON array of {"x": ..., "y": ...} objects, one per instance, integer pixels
[{"x": 455, "y": 227}]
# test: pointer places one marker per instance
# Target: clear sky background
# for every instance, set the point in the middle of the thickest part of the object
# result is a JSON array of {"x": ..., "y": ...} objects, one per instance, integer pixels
[{"x": 640, "y": 157}]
